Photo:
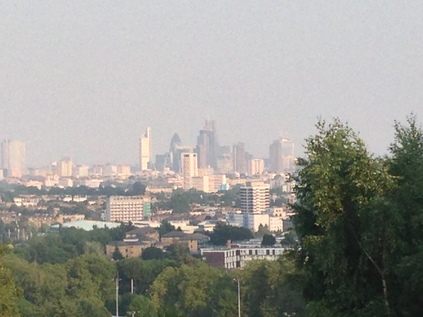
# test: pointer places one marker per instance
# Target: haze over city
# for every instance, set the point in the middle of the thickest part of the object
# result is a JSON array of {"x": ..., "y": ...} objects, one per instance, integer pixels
[{"x": 85, "y": 79}]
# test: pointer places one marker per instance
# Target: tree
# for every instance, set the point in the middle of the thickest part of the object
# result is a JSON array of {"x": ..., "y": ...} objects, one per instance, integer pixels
[
  {"x": 138, "y": 189},
  {"x": 340, "y": 196},
  {"x": 152, "y": 253},
  {"x": 406, "y": 254},
  {"x": 117, "y": 255},
  {"x": 8, "y": 291},
  {"x": 165, "y": 227},
  {"x": 141, "y": 306},
  {"x": 268, "y": 240},
  {"x": 222, "y": 233},
  {"x": 270, "y": 288},
  {"x": 186, "y": 288},
  {"x": 262, "y": 230}
]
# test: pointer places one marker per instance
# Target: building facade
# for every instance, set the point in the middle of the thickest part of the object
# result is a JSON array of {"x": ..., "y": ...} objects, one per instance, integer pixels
[
  {"x": 281, "y": 156},
  {"x": 189, "y": 169},
  {"x": 145, "y": 150},
  {"x": 255, "y": 198},
  {"x": 124, "y": 208},
  {"x": 13, "y": 154},
  {"x": 239, "y": 257}
]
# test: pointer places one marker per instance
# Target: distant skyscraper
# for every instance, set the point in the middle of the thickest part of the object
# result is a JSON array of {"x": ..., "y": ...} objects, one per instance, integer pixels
[
  {"x": 281, "y": 156},
  {"x": 238, "y": 157},
  {"x": 189, "y": 168},
  {"x": 207, "y": 146},
  {"x": 145, "y": 150},
  {"x": 13, "y": 157},
  {"x": 174, "y": 153}
]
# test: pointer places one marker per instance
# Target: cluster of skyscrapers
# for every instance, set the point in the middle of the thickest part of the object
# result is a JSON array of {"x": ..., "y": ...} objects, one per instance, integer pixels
[
  {"x": 194, "y": 163},
  {"x": 208, "y": 154}
]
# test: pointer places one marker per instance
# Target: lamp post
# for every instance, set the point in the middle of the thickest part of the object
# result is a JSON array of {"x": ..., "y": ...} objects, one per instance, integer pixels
[{"x": 238, "y": 280}]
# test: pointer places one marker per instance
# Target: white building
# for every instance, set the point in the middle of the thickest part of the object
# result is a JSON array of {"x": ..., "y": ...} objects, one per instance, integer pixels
[
  {"x": 65, "y": 167},
  {"x": 256, "y": 167},
  {"x": 239, "y": 257},
  {"x": 189, "y": 168},
  {"x": 275, "y": 224},
  {"x": 13, "y": 158},
  {"x": 124, "y": 208},
  {"x": 145, "y": 150},
  {"x": 253, "y": 221},
  {"x": 255, "y": 198}
]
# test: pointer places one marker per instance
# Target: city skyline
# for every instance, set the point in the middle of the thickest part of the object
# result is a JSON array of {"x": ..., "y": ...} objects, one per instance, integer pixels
[{"x": 84, "y": 79}]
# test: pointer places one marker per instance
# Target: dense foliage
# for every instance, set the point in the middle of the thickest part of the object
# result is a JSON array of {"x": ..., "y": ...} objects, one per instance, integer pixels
[{"x": 359, "y": 221}]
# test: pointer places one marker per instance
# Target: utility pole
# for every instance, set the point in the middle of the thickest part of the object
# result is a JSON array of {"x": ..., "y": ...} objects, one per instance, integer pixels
[
  {"x": 117, "y": 294},
  {"x": 239, "y": 297},
  {"x": 132, "y": 292}
]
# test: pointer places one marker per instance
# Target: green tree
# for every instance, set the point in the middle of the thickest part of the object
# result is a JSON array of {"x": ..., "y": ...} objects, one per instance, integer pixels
[
  {"x": 268, "y": 240},
  {"x": 152, "y": 253},
  {"x": 340, "y": 196},
  {"x": 186, "y": 288},
  {"x": 270, "y": 288},
  {"x": 165, "y": 227},
  {"x": 141, "y": 306},
  {"x": 406, "y": 251},
  {"x": 8, "y": 291},
  {"x": 222, "y": 233},
  {"x": 116, "y": 255}
]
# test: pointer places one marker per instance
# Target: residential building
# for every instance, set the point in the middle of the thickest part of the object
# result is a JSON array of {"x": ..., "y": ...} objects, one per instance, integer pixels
[
  {"x": 64, "y": 167},
  {"x": 189, "y": 168},
  {"x": 124, "y": 208},
  {"x": 201, "y": 183},
  {"x": 256, "y": 167},
  {"x": 255, "y": 198},
  {"x": 253, "y": 221},
  {"x": 239, "y": 257}
]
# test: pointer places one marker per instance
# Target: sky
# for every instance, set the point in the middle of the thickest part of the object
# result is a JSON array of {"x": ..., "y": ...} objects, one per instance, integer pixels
[{"x": 84, "y": 79}]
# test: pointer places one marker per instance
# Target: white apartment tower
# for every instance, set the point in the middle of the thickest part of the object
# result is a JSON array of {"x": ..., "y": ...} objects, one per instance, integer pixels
[
  {"x": 124, "y": 208},
  {"x": 255, "y": 198},
  {"x": 65, "y": 168},
  {"x": 13, "y": 157},
  {"x": 189, "y": 168},
  {"x": 145, "y": 150}
]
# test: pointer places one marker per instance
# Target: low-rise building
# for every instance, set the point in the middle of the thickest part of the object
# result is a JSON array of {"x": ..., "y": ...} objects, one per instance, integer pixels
[{"x": 238, "y": 257}]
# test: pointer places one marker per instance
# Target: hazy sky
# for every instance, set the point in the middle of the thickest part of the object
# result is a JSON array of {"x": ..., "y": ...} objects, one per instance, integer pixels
[{"x": 85, "y": 78}]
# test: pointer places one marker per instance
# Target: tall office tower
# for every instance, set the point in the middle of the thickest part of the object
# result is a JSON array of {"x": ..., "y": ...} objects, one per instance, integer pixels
[
  {"x": 174, "y": 153},
  {"x": 13, "y": 157},
  {"x": 281, "y": 156},
  {"x": 207, "y": 146},
  {"x": 65, "y": 167},
  {"x": 145, "y": 150},
  {"x": 124, "y": 208},
  {"x": 189, "y": 168},
  {"x": 255, "y": 198},
  {"x": 238, "y": 157}
]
